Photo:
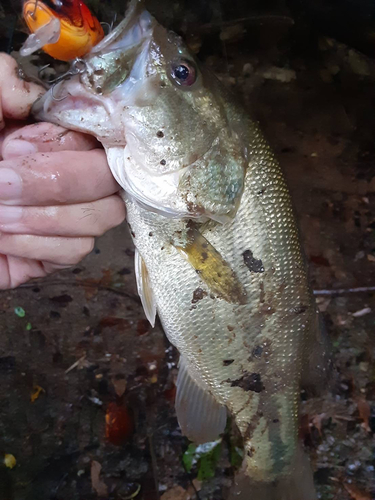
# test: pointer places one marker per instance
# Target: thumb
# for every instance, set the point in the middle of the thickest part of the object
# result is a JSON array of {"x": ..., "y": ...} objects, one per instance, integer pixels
[
  {"x": 16, "y": 95},
  {"x": 45, "y": 138}
]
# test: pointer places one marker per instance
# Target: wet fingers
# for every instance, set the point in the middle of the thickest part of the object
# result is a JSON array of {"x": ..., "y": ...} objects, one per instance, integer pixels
[
  {"x": 57, "y": 250},
  {"x": 84, "y": 219}
]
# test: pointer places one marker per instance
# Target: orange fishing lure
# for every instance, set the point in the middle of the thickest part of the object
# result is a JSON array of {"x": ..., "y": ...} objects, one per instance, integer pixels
[{"x": 65, "y": 29}]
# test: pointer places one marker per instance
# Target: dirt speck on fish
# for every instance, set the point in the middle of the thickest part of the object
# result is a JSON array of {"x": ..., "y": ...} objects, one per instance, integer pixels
[{"x": 216, "y": 244}]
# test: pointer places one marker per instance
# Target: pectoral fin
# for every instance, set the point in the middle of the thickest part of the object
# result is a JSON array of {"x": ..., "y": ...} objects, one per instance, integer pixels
[
  {"x": 212, "y": 268},
  {"x": 144, "y": 288},
  {"x": 201, "y": 417}
]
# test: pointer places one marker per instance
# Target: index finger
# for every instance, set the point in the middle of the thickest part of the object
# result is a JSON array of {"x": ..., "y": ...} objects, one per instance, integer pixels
[
  {"x": 16, "y": 95},
  {"x": 45, "y": 138},
  {"x": 58, "y": 178}
]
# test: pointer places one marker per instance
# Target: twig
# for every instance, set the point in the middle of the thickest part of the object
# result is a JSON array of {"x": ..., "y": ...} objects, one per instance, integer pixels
[
  {"x": 154, "y": 464},
  {"x": 59, "y": 485},
  {"x": 74, "y": 365},
  {"x": 343, "y": 417},
  {"x": 83, "y": 284},
  {"x": 260, "y": 18},
  {"x": 135, "y": 298},
  {"x": 344, "y": 291}
]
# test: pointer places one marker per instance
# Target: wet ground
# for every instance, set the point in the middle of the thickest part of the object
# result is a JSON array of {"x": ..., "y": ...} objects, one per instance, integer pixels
[{"x": 87, "y": 386}]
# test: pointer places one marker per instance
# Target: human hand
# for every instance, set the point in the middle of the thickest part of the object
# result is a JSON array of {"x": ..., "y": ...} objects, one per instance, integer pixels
[{"x": 56, "y": 190}]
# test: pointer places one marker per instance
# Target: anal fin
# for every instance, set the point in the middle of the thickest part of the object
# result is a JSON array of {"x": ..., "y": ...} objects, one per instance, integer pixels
[
  {"x": 144, "y": 288},
  {"x": 202, "y": 419}
]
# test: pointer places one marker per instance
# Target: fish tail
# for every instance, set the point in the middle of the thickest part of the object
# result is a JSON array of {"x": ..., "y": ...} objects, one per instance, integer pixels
[{"x": 298, "y": 484}]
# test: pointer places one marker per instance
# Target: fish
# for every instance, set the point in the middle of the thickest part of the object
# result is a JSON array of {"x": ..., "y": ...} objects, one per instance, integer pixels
[
  {"x": 218, "y": 250},
  {"x": 64, "y": 29}
]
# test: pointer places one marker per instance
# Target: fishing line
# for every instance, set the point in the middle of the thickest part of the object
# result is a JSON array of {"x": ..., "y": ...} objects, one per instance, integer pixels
[
  {"x": 110, "y": 25},
  {"x": 225, "y": 52}
]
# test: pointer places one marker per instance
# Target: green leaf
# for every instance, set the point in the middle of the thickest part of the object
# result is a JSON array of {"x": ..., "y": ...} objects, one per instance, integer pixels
[
  {"x": 205, "y": 456},
  {"x": 28, "y": 327},
  {"x": 208, "y": 462},
  {"x": 188, "y": 458},
  {"x": 20, "y": 312},
  {"x": 236, "y": 456}
]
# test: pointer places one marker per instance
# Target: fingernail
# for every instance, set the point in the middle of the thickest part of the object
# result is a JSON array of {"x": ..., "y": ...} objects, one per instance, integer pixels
[
  {"x": 10, "y": 214},
  {"x": 18, "y": 147},
  {"x": 10, "y": 184}
]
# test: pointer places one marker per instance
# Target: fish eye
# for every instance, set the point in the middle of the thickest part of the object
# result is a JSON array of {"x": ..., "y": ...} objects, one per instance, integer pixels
[{"x": 184, "y": 73}]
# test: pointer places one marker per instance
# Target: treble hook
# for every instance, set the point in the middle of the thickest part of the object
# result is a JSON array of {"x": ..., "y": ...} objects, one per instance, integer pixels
[
  {"x": 103, "y": 24},
  {"x": 35, "y": 7},
  {"x": 75, "y": 69},
  {"x": 54, "y": 98},
  {"x": 41, "y": 70},
  {"x": 78, "y": 67}
]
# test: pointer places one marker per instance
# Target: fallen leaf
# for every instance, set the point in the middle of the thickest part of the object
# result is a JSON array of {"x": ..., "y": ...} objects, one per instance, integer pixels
[
  {"x": 20, "y": 312},
  {"x": 143, "y": 326},
  {"x": 119, "y": 424},
  {"x": 319, "y": 260},
  {"x": 364, "y": 411},
  {"x": 176, "y": 493},
  {"x": 106, "y": 279},
  {"x": 97, "y": 484},
  {"x": 364, "y": 366},
  {"x": 356, "y": 493},
  {"x": 37, "y": 390},
  {"x": 119, "y": 385},
  {"x": 317, "y": 422},
  {"x": 111, "y": 321},
  {"x": 197, "y": 484},
  {"x": 128, "y": 491},
  {"x": 361, "y": 312},
  {"x": 124, "y": 271},
  {"x": 90, "y": 287},
  {"x": 170, "y": 394},
  {"x": 10, "y": 461},
  {"x": 304, "y": 428},
  {"x": 232, "y": 33},
  {"x": 323, "y": 303},
  {"x": 61, "y": 300}
]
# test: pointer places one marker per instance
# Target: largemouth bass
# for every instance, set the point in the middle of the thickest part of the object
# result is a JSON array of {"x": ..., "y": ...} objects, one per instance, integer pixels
[{"x": 218, "y": 254}]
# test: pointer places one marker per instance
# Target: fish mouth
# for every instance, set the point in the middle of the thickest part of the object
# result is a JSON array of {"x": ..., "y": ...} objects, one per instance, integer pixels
[{"x": 87, "y": 97}]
